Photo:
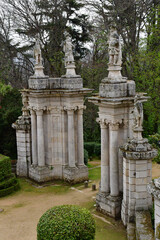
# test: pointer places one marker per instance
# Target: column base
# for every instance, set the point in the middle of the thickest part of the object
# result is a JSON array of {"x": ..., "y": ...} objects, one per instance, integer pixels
[
  {"x": 41, "y": 174},
  {"x": 22, "y": 169},
  {"x": 75, "y": 174},
  {"x": 109, "y": 205}
]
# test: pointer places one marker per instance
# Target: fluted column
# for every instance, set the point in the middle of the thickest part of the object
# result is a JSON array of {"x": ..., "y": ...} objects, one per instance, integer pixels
[
  {"x": 104, "y": 157},
  {"x": 71, "y": 138},
  {"x": 40, "y": 138},
  {"x": 34, "y": 137},
  {"x": 80, "y": 138},
  {"x": 114, "y": 168}
]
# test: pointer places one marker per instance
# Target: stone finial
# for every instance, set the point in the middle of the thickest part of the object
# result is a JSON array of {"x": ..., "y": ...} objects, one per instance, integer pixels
[
  {"x": 115, "y": 54},
  {"x": 38, "y": 69},
  {"x": 69, "y": 58}
]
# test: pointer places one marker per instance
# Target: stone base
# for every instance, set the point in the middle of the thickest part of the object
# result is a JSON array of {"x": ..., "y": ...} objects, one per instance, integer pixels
[
  {"x": 22, "y": 169},
  {"x": 70, "y": 82},
  {"x": 41, "y": 174},
  {"x": 75, "y": 174},
  {"x": 109, "y": 205},
  {"x": 38, "y": 82},
  {"x": 112, "y": 88}
]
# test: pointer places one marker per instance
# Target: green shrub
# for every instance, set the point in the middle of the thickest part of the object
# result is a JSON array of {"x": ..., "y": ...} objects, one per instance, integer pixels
[
  {"x": 85, "y": 157},
  {"x": 5, "y": 167},
  {"x": 9, "y": 190},
  {"x": 66, "y": 222},
  {"x": 8, "y": 181},
  {"x": 93, "y": 149}
]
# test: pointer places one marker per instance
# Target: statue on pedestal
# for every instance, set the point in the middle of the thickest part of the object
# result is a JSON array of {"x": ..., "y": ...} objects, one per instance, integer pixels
[
  {"x": 115, "y": 53},
  {"x": 138, "y": 113},
  {"x": 38, "y": 59},
  {"x": 69, "y": 58},
  {"x": 37, "y": 53}
]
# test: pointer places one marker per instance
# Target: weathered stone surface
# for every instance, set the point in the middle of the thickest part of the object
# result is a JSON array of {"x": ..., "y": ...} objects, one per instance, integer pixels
[
  {"x": 131, "y": 233},
  {"x": 144, "y": 230},
  {"x": 38, "y": 82},
  {"x": 109, "y": 205}
]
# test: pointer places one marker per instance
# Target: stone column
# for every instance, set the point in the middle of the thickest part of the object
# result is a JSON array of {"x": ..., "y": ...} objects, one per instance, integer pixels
[
  {"x": 80, "y": 138},
  {"x": 104, "y": 157},
  {"x": 71, "y": 138},
  {"x": 40, "y": 138},
  {"x": 34, "y": 137},
  {"x": 114, "y": 168}
]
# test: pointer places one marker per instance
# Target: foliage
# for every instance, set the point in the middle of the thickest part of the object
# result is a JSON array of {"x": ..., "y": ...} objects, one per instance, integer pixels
[
  {"x": 49, "y": 20},
  {"x": 5, "y": 167},
  {"x": 10, "y": 109},
  {"x": 85, "y": 157},
  {"x": 155, "y": 141},
  {"x": 66, "y": 222},
  {"x": 9, "y": 182},
  {"x": 93, "y": 149}
]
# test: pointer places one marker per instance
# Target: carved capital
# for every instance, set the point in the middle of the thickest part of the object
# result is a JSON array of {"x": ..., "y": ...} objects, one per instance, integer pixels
[
  {"x": 114, "y": 126},
  {"x": 103, "y": 122},
  {"x": 68, "y": 109}
]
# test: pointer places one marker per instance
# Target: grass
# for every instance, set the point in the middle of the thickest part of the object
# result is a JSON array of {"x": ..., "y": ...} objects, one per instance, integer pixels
[
  {"x": 105, "y": 231},
  {"x": 95, "y": 173}
]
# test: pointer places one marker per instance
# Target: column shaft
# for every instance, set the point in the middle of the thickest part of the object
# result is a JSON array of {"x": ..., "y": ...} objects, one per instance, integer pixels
[
  {"x": 40, "y": 138},
  {"x": 114, "y": 168},
  {"x": 71, "y": 138},
  {"x": 104, "y": 159},
  {"x": 34, "y": 137},
  {"x": 80, "y": 138}
]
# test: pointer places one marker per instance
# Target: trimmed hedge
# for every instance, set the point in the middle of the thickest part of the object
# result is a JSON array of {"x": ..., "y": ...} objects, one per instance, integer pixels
[
  {"x": 5, "y": 167},
  {"x": 9, "y": 190},
  {"x": 8, "y": 181},
  {"x": 93, "y": 149},
  {"x": 66, "y": 222}
]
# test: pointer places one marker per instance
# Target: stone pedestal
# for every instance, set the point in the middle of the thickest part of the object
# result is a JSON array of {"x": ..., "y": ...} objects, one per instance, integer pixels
[
  {"x": 137, "y": 173},
  {"x": 154, "y": 189}
]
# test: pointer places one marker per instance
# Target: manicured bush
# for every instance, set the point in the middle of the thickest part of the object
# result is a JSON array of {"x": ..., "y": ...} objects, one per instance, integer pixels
[
  {"x": 5, "y": 167},
  {"x": 85, "y": 157},
  {"x": 8, "y": 181},
  {"x": 66, "y": 222},
  {"x": 93, "y": 148}
]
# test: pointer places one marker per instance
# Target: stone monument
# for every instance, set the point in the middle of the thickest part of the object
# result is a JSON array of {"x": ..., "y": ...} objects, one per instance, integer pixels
[
  {"x": 50, "y": 135},
  {"x": 116, "y": 106},
  {"x": 137, "y": 168}
]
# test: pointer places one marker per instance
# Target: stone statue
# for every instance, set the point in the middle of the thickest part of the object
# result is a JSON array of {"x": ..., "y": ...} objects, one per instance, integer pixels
[
  {"x": 69, "y": 59},
  {"x": 115, "y": 53},
  {"x": 138, "y": 113},
  {"x": 38, "y": 68},
  {"x": 37, "y": 53},
  {"x": 67, "y": 48}
]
